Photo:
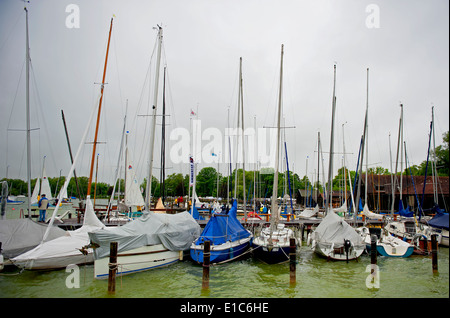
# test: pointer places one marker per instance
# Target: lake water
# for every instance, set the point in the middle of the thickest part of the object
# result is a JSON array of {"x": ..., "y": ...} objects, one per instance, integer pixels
[{"x": 246, "y": 278}]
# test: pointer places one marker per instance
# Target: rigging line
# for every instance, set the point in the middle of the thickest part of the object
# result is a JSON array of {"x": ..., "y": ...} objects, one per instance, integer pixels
[
  {"x": 143, "y": 147},
  {"x": 39, "y": 103},
  {"x": 12, "y": 29},
  {"x": 15, "y": 95}
]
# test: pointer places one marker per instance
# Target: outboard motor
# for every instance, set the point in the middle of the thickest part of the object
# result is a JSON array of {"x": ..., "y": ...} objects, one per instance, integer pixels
[{"x": 347, "y": 245}]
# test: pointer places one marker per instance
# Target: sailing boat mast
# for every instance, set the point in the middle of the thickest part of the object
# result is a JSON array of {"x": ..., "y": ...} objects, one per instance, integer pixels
[
  {"x": 70, "y": 153},
  {"x": 363, "y": 141},
  {"x": 399, "y": 140},
  {"x": 98, "y": 115},
  {"x": 152, "y": 136},
  {"x": 329, "y": 206},
  {"x": 274, "y": 204},
  {"x": 241, "y": 99},
  {"x": 163, "y": 143},
  {"x": 28, "y": 115}
]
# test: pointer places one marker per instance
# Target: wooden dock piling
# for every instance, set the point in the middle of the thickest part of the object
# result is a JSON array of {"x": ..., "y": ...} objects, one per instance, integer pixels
[
  {"x": 292, "y": 262},
  {"x": 373, "y": 252},
  {"x": 206, "y": 258},
  {"x": 434, "y": 247},
  {"x": 112, "y": 267}
]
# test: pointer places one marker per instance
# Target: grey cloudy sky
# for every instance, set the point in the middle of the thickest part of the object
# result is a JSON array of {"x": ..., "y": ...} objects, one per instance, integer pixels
[{"x": 407, "y": 54}]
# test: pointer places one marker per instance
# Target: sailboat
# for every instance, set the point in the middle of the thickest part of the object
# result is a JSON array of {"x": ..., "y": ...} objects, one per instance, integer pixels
[
  {"x": 334, "y": 238},
  {"x": 21, "y": 235},
  {"x": 228, "y": 238},
  {"x": 69, "y": 249},
  {"x": 386, "y": 244},
  {"x": 273, "y": 243},
  {"x": 439, "y": 223},
  {"x": 41, "y": 187},
  {"x": 151, "y": 240},
  {"x": 406, "y": 227}
]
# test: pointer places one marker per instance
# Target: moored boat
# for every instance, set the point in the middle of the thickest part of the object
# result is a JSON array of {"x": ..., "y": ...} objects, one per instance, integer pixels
[{"x": 228, "y": 238}]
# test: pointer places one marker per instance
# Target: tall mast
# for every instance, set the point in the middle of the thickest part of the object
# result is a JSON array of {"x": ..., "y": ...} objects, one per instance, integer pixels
[
  {"x": 28, "y": 115},
  {"x": 358, "y": 193},
  {"x": 70, "y": 153},
  {"x": 243, "y": 141},
  {"x": 98, "y": 114},
  {"x": 274, "y": 204},
  {"x": 255, "y": 167},
  {"x": 329, "y": 205},
  {"x": 152, "y": 136},
  {"x": 163, "y": 142},
  {"x": 400, "y": 128}
]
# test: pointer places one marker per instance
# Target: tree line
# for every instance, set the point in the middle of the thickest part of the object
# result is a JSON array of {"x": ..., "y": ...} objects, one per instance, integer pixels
[{"x": 206, "y": 181}]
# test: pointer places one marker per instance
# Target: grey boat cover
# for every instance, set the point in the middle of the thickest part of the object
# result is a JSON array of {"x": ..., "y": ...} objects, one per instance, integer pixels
[
  {"x": 175, "y": 231},
  {"x": 334, "y": 229},
  {"x": 21, "y": 235}
]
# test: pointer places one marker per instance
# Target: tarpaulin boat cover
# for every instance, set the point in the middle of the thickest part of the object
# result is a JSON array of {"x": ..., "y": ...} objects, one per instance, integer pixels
[
  {"x": 175, "y": 231},
  {"x": 440, "y": 220},
  {"x": 63, "y": 250},
  {"x": 21, "y": 235},
  {"x": 404, "y": 212},
  {"x": 195, "y": 214},
  {"x": 334, "y": 229},
  {"x": 222, "y": 228}
]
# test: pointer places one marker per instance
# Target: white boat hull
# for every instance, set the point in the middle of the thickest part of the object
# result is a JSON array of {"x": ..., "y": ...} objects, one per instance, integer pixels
[
  {"x": 273, "y": 248},
  {"x": 137, "y": 260},
  {"x": 337, "y": 252}
]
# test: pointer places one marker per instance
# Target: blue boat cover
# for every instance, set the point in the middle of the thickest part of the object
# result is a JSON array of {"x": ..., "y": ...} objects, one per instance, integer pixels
[
  {"x": 195, "y": 214},
  {"x": 404, "y": 212},
  {"x": 222, "y": 228},
  {"x": 440, "y": 220}
]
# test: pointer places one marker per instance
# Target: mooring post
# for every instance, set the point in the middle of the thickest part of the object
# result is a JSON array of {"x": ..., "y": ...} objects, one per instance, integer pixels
[
  {"x": 373, "y": 252},
  {"x": 206, "y": 256},
  {"x": 292, "y": 262},
  {"x": 112, "y": 267},
  {"x": 434, "y": 252}
]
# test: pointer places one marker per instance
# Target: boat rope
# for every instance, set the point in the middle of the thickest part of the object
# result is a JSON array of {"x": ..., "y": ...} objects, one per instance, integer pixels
[
  {"x": 250, "y": 250},
  {"x": 13, "y": 274}
]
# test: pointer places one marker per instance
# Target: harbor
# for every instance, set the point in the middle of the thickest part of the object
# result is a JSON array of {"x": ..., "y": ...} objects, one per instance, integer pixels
[{"x": 222, "y": 166}]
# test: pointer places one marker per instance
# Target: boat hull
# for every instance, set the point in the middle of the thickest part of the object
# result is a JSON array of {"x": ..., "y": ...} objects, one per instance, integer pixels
[
  {"x": 271, "y": 254},
  {"x": 222, "y": 252},
  {"x": 273, "y": 247},
  {"x": 53, "y": 263},
  {"x": 330, "y": 251},
  {"x": 137, "y": 260},
  {"x": 391, "y": 246}
]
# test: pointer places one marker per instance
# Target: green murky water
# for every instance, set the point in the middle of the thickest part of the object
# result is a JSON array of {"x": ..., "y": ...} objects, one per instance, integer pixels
[{"x": 247, "y": 278}]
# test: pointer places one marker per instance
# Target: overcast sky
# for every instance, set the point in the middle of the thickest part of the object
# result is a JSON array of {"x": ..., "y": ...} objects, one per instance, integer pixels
[{"x": 403, "y": 43}]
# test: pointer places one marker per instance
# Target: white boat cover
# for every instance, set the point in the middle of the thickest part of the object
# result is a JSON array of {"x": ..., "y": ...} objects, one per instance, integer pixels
[
  {"x": 175, "y": 231},
  {"x": 334, "y": 229},
  {"x": 64, "y": 250},
  {"x": 21, "y": 235},
  {"x": 370, "y": 214},
  {"x": 307, "y": 213}
]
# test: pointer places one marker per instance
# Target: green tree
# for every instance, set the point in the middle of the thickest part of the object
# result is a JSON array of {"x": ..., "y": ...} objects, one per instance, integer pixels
[
  {"x": 206, "y": 182},
  {"x": 441, "y": 156}
]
